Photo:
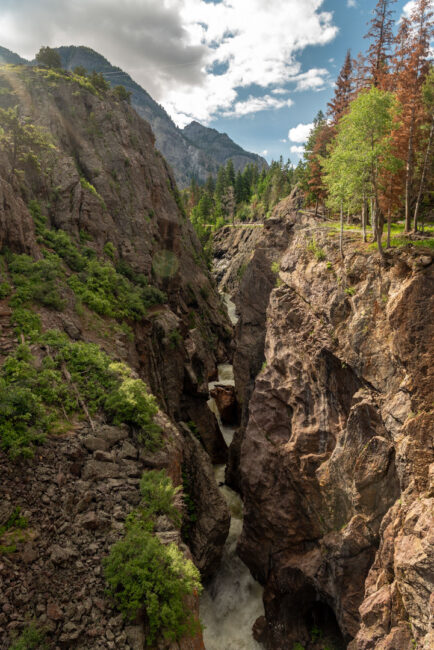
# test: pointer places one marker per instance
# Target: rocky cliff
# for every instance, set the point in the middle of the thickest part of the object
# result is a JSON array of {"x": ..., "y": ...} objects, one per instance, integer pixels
[
  {"x": 336, "y": 451},
  {"x": 195, "y": 151},
  {"x": 94, "y": 246}
]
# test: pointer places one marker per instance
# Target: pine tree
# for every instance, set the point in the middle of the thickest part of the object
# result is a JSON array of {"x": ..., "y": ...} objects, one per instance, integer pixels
[
  {"x": 411, "y": 70},
  {"x": 382, "y": 37},
  {"x": 338, "y": 106}
]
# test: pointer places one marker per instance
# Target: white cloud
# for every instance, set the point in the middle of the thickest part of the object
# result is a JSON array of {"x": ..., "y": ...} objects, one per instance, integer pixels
[
  {"x": 279, "y": 91},
  {"x": 297, "y": 149},
  {"x": 192, "y": 56},
  {"x": 264, "y": 153},
  {"x": 313, "y": 79},
  {"x": 300, "y": 133},
  {"x": 255, "y": 104},
  {"x": 283, "y": 140},
  {"x": 351, "y": 3}
]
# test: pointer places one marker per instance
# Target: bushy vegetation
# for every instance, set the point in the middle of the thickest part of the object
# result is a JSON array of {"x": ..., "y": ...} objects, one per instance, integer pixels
[
  {"x": 37, "y": 396},
  {"x": 141, "y": 572},
  {"x": 13, "y": 527},
  {"x": 32, "y": 638},
  {"x": 121, "y": 294}
]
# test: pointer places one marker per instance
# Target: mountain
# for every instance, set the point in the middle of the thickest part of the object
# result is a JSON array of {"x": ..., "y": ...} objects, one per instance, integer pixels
[
  {"x": 195, "y": 151},
  {"x": 221, "y": 146},
  {"x": 6, "y": 56}
]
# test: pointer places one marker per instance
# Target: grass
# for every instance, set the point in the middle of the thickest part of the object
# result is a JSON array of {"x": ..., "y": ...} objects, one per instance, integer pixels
[{"x": 32, "y": 638}]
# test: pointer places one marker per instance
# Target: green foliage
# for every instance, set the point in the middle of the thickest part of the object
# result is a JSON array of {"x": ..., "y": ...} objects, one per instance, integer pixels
[
  {"x": 362, "y": 147},
  {"x": 49, "y": 58},
  {"x": 175, "y": 339},
  {"x": 20, "y": 139},
  {"x": 297, "y": 646},
  {"x": 131, "y": 403},
  {"x": 34, "y": 397},
  {"x": 142, "y": 572},
  {"x": 26, "y": 322},
  {"x": 109, "y": 250},
  {"x": 122, "y": 94},
  {"x": 5, "y": 290},
  {"x": 36, "y": 281},
  {"x": 90, "y": 188},
  {"x": 246, "y": 196},
  {"x": 158, "y": 495},
  {"x": 32, "y": 638},
  {"x": 275, "y": 267},
  {"x": 80, "y": 70},
  {"x": 190, "y": 516},
  {"x": 350, "y": 291},
  {"x": 316, "y": 250}
]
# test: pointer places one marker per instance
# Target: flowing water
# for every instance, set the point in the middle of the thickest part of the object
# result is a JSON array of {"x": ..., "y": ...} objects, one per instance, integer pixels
[{"x": 232, "y": 601}]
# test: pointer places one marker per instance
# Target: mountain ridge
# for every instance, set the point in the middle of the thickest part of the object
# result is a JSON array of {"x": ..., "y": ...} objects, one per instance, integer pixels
[{"x": 182, "y": 151}]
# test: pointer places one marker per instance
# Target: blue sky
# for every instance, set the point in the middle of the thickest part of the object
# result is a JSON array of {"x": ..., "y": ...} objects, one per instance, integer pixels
[
  {"x": 265, "y": 130},
  {"x": 255, "y": 69}
]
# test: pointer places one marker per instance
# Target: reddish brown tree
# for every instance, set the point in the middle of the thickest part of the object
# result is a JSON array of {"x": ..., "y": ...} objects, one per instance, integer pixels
[
  {"x": 338, "y": 106},
  {"x": 411, "y": 69},
  {"x": 381, "y": 36}
]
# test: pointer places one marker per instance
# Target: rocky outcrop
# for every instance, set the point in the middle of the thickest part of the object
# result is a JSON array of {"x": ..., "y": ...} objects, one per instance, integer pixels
[
  {"x": 337, "y": 448},
  {"x": 226, "y": 403},
  {"x": 207, "y": 524},
  {"x": 75, "y": 497},
  {"x": 103, "y": 183}
]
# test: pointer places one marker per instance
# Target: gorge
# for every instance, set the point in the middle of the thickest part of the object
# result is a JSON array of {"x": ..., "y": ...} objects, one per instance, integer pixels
[{"x": 309, "y": 512}]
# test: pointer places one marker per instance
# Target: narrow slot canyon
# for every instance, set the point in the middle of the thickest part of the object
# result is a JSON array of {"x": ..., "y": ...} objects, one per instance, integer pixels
[{"x": 232, "y": 599}]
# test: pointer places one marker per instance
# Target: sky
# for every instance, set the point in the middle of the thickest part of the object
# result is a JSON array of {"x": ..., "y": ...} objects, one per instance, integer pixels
[{"x": 259, "y": 70}]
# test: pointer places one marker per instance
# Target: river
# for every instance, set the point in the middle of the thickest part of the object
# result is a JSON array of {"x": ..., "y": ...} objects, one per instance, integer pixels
[{"x": 232, "y": 600}]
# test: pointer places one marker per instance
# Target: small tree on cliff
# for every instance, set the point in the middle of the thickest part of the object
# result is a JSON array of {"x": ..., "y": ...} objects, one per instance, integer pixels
[
  {"x": 49, "y": 58},
  {"x": 20, "y": 139}
]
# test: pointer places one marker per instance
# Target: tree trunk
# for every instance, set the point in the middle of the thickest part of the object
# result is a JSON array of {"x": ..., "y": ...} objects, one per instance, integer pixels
[
  {"x": 408, "y": 174},
  {"x": 364, "y": 219},
  {"x": 316, "y": 208},
  {"x": 379, "y": 223},
  {"x": 422, "y": 180},
  {"x": 373, "y": 221},
  {"x": 341, "y": 234},
  {"x": 389, "y": 223}
]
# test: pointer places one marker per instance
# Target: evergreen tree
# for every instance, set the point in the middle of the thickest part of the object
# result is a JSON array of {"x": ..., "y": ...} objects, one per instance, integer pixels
[
  {"x": 48, "y": 58},
  {"x": 381, "y": 36},
  {"x": 338, "y": 106}
]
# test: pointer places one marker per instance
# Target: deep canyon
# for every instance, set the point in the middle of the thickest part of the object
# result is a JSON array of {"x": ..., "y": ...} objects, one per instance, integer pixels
[{"x": 307, "y": 489}]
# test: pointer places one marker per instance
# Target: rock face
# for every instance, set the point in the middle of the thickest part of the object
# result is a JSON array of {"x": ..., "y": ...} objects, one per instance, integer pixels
[
  {"x": 104, "y": 181},
  {"x": 195, "y": 151},
  {"x": 337, "y": 449}
]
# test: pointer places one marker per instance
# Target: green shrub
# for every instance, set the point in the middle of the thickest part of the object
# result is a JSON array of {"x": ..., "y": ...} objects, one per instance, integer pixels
[
  {"x": 316, "y": 250},
  {"x": 26, "y": 322},
  {"x": 350, "y": 291},
  {"x": 5, "y": 290},
  {"x": 36, "y": 280},
  {"x": 35, "y": 396},
  {"x": 159, "y": 494},
  {"x": 109, "y": 250},
  {"x": 32, "y": 638},
  {"x": 175, "y": 338},
  {"x": 122, "y": 94},
  {"x": 142, "y": 572},
  {"x": 132, "y": 404},
  {"x": 275, "y": 267}
]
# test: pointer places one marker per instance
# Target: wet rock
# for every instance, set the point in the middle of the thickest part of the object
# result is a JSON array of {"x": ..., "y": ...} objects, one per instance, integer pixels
[
  {"x": 226, "y": 403},
  {"x": 206, "y": 535}
]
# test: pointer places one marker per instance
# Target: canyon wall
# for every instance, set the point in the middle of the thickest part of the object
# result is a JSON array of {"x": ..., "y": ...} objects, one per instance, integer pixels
[
  {"x": 336, "y": 447},
  {"x": 99, "y": 180}
]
